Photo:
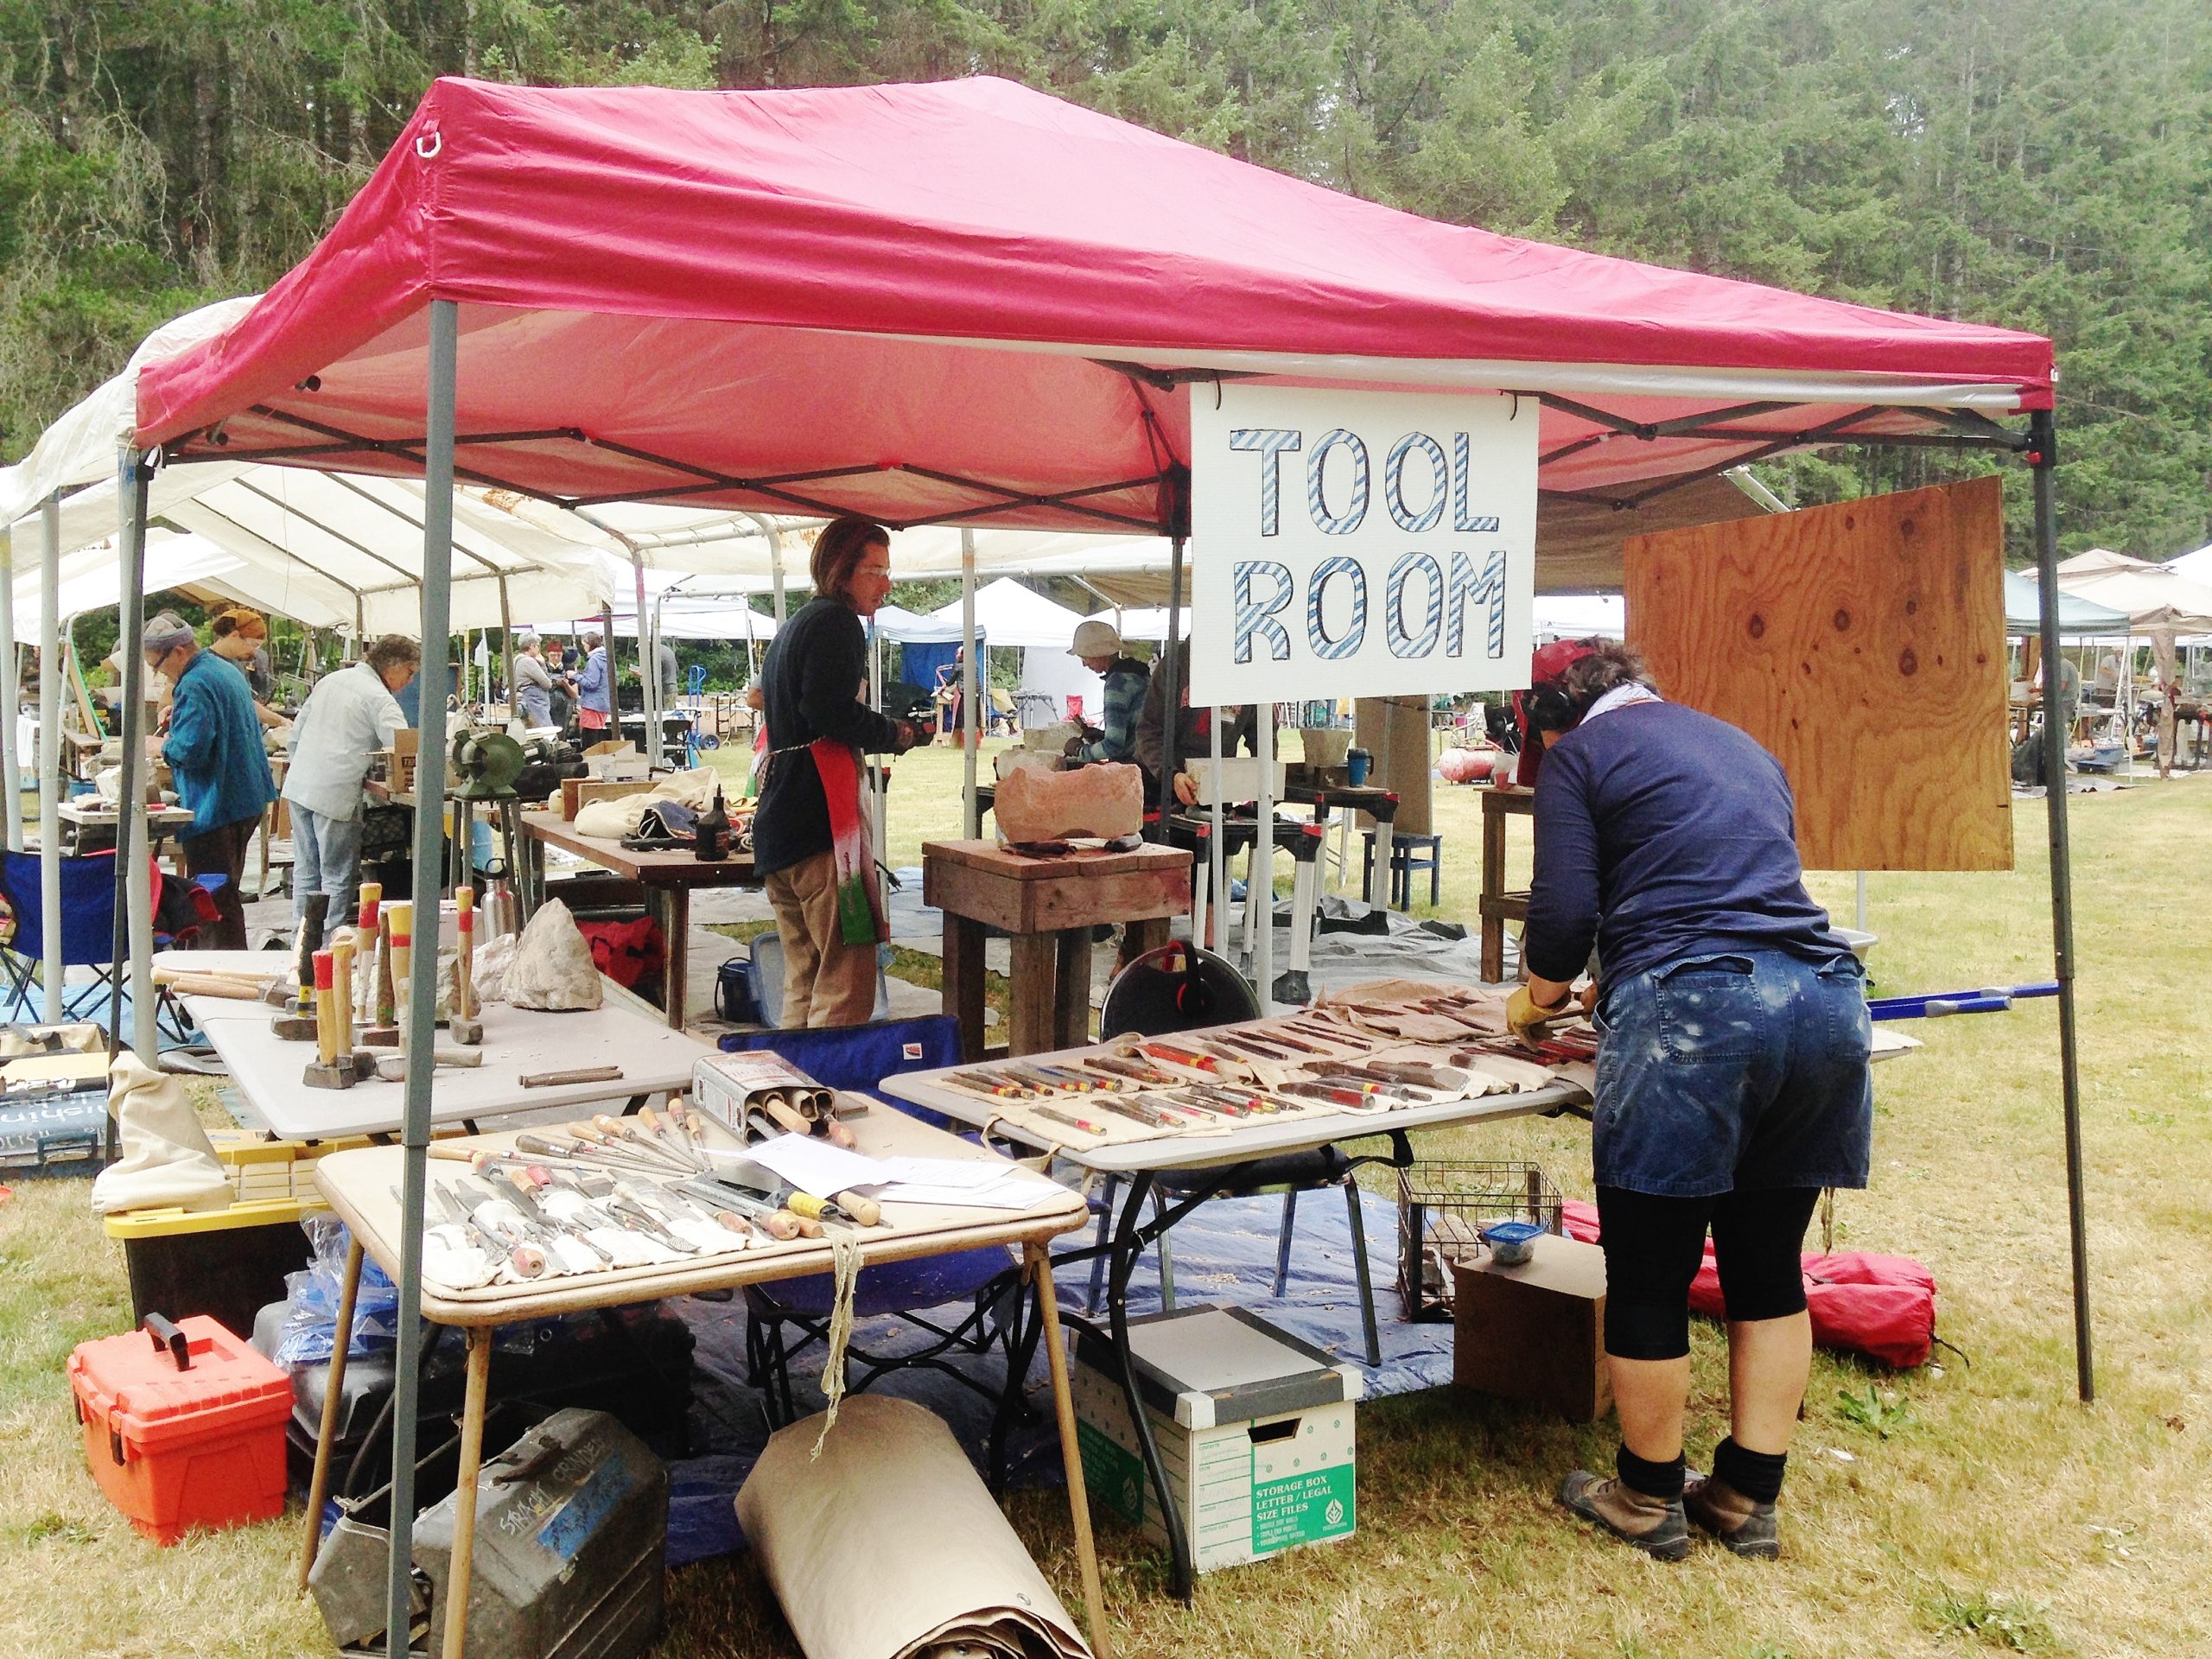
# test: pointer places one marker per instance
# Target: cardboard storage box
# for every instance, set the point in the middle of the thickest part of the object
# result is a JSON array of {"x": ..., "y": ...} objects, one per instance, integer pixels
[
  {"x": 1254, "y": 1426},
  {"x": 1536, "y": 1331}
]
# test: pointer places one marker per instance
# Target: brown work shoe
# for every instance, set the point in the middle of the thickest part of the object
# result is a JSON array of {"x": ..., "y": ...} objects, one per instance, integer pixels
[
  {"x": 1745, "y": 1524},
  {"x": 1654, "y": 1525}
]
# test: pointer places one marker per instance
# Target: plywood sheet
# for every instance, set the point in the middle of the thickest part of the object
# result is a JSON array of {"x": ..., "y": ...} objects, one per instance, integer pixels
[{"x": 1863, "y": 645}]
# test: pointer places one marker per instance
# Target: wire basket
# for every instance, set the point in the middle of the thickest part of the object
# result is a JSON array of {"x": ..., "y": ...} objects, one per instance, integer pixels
[{"x": 1443, "y": 1205}]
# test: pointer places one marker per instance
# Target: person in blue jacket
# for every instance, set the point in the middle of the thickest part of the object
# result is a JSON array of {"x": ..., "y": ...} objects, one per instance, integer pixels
[
  {"x": 1733, "y": 1047},
  {"x": 594, "y": 689},
  {"x": 220, "y": 768}
]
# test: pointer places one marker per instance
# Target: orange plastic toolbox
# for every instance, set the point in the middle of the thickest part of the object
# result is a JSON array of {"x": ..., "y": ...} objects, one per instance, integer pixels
[{"x": 184, "y": 1426}]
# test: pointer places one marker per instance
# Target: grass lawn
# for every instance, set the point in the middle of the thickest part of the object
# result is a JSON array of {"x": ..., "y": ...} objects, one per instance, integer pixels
[{"x": 1974, "y": 1508}]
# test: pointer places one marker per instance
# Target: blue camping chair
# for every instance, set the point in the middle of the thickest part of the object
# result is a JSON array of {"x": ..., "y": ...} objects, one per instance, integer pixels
[
  {"x": 961, "y": 1305},
  {"x": 88, "y": 899}
]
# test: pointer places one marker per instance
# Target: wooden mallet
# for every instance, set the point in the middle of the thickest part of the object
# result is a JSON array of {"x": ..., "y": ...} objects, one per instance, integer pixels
[{"x": 462, "y": 1025}]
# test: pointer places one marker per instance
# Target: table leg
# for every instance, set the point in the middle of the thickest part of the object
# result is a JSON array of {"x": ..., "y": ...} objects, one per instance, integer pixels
[
  {"x": 1071, "y": 989},
  {"x": 1032, "y": 977},
  {"x": 464, "y": 1495},
  {"x": 1123, "y": 1263},
  {"x": 1150, "y": 934},
  {"x": 1493, "y": 886},
  {"x": 1055, "y": 1357},
  {"x": 963, "y": 983},
  {"x": 676, "y": 976},
  {"x": 333, "y": 1385}
]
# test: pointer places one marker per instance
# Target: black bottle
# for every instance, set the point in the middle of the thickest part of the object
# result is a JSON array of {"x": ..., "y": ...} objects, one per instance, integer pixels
[{"x": 711, "y": 833}]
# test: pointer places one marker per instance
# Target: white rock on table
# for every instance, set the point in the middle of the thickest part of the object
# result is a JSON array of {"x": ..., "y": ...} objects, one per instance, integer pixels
[
  {"x": 1106, "y": 801},
  {"x": 552, "y": 966}
]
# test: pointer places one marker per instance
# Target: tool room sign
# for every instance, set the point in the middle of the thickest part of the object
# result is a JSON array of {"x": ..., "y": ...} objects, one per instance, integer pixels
[{"x": 1359, "y": 543}]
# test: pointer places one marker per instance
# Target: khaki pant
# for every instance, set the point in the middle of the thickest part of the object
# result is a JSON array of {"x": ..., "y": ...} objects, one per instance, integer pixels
[{"x": 826, "y": 981}]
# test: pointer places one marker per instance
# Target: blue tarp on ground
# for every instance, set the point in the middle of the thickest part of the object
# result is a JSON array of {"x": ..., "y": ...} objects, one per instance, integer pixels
[{"x": 1224, "y": 1253}]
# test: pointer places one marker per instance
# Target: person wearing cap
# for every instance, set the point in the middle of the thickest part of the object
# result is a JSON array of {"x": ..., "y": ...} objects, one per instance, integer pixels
[
  {"x": 533, "y": 681},
  {"x": 215, "y": 756},
  {"x": 1098, "y": 646},
  {"x": 1731, "y": 1079},
  {"x": 239, "y": 636},
  {"x": 594, "y": 688},
  {"x": 349, "y": 717}
]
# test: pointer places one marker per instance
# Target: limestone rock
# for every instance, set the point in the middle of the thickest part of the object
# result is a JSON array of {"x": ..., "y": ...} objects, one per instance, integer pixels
[
  {"x": 1105, "y": 801},
  {"x": 552, "y": 966}
]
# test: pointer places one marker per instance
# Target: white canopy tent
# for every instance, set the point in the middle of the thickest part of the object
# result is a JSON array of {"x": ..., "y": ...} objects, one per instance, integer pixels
[{"x": 2161, "y": 603}]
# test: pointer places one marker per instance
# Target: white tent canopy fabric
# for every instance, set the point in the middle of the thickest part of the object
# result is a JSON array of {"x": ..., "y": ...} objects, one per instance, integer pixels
[
  {"x": 1008, "y": 613},
  {"x": 2156, "y": 599},
  {"x": 92, "y": 578}
]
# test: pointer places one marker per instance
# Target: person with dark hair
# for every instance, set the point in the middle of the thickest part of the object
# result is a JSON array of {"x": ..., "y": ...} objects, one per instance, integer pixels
[
  {"x": 348, "y": 717},
  {"x": 215, "y": 754},
  {"x": 1732, "y": 1086},
  {"x": 811, "y": 844}
]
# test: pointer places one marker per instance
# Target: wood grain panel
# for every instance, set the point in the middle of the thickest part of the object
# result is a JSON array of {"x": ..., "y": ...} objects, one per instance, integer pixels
[{"x": 1863, "y": 645}]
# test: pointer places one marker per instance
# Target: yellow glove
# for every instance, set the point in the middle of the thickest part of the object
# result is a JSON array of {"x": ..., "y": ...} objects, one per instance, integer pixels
[{"x": 1526, "y": 1021}]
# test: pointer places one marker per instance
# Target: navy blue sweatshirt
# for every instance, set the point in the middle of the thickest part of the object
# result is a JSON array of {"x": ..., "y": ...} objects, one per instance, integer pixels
[
  {"x": 811, "y": 683},
  {"x": 1665, "y": 834}
]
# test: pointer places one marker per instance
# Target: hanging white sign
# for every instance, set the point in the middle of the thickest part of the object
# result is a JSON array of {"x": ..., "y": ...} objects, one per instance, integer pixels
[{"x": 1359, "y": 543}]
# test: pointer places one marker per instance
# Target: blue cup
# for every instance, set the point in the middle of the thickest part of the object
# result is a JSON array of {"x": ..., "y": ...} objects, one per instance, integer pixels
[{"x": 1357, "y": 762}]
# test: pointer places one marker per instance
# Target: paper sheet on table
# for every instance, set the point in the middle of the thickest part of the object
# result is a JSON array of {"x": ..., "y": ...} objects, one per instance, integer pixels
[
  {"x": 815, "y": 1165},
  {"x": 854, "y": 1582},
  {"x": 970, "y": 1183}
]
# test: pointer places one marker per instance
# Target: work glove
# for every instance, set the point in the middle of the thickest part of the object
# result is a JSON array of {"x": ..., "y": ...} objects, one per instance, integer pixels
[{"x": 1529, "y": 1022}]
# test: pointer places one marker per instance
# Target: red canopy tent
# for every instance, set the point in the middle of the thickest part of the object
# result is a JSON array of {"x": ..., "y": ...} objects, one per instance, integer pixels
[{"x": 973, "y": 302}]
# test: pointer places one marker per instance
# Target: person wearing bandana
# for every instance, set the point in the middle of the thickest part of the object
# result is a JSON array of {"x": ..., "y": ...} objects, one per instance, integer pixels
[
  {"x": 811, "y": 840},
  {"x": 1731, "y": 1077}
]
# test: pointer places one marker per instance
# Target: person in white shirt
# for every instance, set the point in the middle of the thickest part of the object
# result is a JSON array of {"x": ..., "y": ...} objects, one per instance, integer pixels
[{"x": 347, "y": 717}]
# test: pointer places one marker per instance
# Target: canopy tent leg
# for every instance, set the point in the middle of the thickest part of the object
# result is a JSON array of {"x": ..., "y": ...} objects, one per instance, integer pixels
[
  {"x": 49, "y": 751},
  {"x": 10, "y": 762},
  {"x": 879, "y": 773},
  {"x": 1171, "y": 690},
  {"x": 970, "y": 726},
  {"x": 1263, "y": 877},
  {"x": 2043, "y": 459},
  {"x": 134, "y": 923},
  {"x": 1217, "y": 853},
  {"x": 422, "y": 980},
  {"x": 648, "y": 667},
  {"x": 507, "y": 652}
]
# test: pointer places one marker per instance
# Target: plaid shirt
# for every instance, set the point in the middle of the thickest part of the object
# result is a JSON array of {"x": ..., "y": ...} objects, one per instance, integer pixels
[{"x": 1126, "y": 680}]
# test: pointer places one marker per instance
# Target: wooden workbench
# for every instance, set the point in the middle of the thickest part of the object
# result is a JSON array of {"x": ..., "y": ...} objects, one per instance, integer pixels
[
  {"x": 1496, "y": 906},
  {"x": 1046, "y": 908},
  {"x": 667, "y": 878}
]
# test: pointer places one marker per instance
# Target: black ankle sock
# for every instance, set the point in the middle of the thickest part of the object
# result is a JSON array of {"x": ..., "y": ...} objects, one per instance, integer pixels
[
  {"x": 1652, "y": 1479},
  {"x": 1757, "y": 1475}
]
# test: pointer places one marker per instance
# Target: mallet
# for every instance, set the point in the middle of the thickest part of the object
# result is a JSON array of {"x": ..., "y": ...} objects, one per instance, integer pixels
[
  {"x": 326, "y": 1072},
  {"x": 462, "y": 1025}
]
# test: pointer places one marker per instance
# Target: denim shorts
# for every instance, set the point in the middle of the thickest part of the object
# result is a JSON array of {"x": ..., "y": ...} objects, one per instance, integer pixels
[{"x": 1747, "y": 1070}]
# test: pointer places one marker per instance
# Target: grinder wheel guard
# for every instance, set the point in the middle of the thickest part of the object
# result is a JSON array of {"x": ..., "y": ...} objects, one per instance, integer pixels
[{"x": 1176, "y": 986}]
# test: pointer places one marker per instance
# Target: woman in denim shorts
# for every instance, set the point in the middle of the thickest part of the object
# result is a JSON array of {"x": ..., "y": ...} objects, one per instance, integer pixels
[{"x": 1732, "y": 1085}]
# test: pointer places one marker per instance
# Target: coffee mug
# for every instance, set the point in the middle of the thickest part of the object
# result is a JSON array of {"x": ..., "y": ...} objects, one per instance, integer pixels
[{"x": 1356, "y": 762}]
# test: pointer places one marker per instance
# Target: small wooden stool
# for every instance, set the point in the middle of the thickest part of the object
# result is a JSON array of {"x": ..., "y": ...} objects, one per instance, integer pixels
[
  {"x": 1046, "y": 908},
  {"x": 1405, "y": 858}
]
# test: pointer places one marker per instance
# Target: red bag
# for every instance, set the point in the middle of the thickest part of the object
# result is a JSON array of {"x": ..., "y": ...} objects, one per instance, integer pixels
[
  {"x": 1882, "y": 1306},
  {"x": 626, "y": 952}
]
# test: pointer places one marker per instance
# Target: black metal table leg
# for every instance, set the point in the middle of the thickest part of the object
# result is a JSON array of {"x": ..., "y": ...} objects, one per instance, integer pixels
[{"x": 1128, "y": 1243}]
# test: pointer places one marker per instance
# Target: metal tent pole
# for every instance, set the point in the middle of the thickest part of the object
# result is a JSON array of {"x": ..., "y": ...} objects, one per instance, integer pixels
[
  {"x": 49, "y": 750},
  {"x": 507, "y": 653},
  {"x": 130, "y": 846},
  {"x": 1263, "y": 856},
  {"x": 1170, "y": 689},
  {"x": 648, "y": 666},
  {"x": 422, "y": 980},
  {"x": 970, "y": 726},
  {"x": 10, "y": 715},
  {"x": 2043, "y": 458}
]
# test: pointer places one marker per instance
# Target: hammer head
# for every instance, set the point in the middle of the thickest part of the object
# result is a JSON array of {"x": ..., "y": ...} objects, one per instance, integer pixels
[
  {"x": 294, "y": 1027},
  {"x": 469, "y": 1032},
  {"x": 339, "y": 1074}
]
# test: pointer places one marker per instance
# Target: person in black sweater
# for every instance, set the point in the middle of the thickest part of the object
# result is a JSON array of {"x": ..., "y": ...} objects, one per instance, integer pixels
[
  {"x": 1733, "y": 1041},
  {"x": 810, "y": 841}
]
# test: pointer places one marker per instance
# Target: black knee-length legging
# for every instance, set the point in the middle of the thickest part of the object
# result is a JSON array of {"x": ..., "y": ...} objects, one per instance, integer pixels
[{"x": 1654, "y": 1247}]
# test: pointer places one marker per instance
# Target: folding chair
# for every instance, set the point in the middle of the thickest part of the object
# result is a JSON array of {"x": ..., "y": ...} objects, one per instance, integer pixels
[
  {"x": 88, "y": 900},
  {"x": 784, "y": 1318}
]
